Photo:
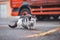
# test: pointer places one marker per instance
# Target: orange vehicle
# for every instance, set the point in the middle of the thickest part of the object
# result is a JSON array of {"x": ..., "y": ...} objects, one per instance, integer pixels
[{"x": 40, "y": 8}]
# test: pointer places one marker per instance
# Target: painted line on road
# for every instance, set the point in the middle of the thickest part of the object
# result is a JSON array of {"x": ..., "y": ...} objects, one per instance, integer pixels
[{"x": 42, "y": 33}]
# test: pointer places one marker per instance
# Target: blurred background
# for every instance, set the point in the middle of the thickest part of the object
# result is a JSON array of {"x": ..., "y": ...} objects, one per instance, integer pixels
[
  {"x": 5, "y": 10},
  {"x": 42, "y": 28}
]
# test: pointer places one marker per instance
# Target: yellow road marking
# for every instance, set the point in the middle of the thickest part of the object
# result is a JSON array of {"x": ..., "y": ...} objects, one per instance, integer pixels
[{"x": 43, "y": 33}]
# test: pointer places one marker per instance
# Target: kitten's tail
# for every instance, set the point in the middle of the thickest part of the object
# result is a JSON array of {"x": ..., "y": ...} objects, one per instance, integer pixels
[{"x": 15, "y": 25}]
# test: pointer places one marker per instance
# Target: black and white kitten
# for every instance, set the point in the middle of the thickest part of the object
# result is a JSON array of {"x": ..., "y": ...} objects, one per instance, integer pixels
[{"x": 27, "y": 22}]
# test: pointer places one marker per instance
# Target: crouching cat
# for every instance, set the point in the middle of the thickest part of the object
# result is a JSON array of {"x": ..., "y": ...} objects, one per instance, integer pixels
[{"x": 27, "y": 22}]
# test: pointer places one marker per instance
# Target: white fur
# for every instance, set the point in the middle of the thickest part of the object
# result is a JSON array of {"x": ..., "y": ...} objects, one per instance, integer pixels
[{"x": 20, "y": 23}]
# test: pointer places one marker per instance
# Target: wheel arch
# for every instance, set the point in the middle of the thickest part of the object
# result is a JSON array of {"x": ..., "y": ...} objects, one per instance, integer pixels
[{"x": 24, "y": 5}]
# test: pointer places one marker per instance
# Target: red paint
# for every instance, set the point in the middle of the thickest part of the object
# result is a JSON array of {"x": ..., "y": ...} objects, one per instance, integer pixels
[{"x": 18, "y": 3}]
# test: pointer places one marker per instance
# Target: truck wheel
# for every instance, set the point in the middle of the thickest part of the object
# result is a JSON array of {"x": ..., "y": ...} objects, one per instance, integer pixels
[
  {"x": 24, "y": 11},
  {"x": 40, "y": 18},
  {"x": 55, "y": 17}
]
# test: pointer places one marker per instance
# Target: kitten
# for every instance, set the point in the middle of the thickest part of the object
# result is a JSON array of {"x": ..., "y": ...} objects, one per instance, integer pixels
[{"x": 26, "y": 22}]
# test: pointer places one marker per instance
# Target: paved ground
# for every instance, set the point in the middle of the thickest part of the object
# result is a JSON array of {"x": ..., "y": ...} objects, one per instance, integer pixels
[{"x": 44, "y": 30}]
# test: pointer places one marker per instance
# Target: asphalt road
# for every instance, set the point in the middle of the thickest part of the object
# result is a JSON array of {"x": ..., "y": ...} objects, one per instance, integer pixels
[{"x": 44, "y": 30}]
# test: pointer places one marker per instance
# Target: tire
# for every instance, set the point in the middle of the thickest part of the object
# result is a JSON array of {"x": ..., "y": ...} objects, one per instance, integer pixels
[
  {"x": 55, "y": 17},
  {"x": 24, "y": 11},
  {"x": 40, "y": 18}
]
